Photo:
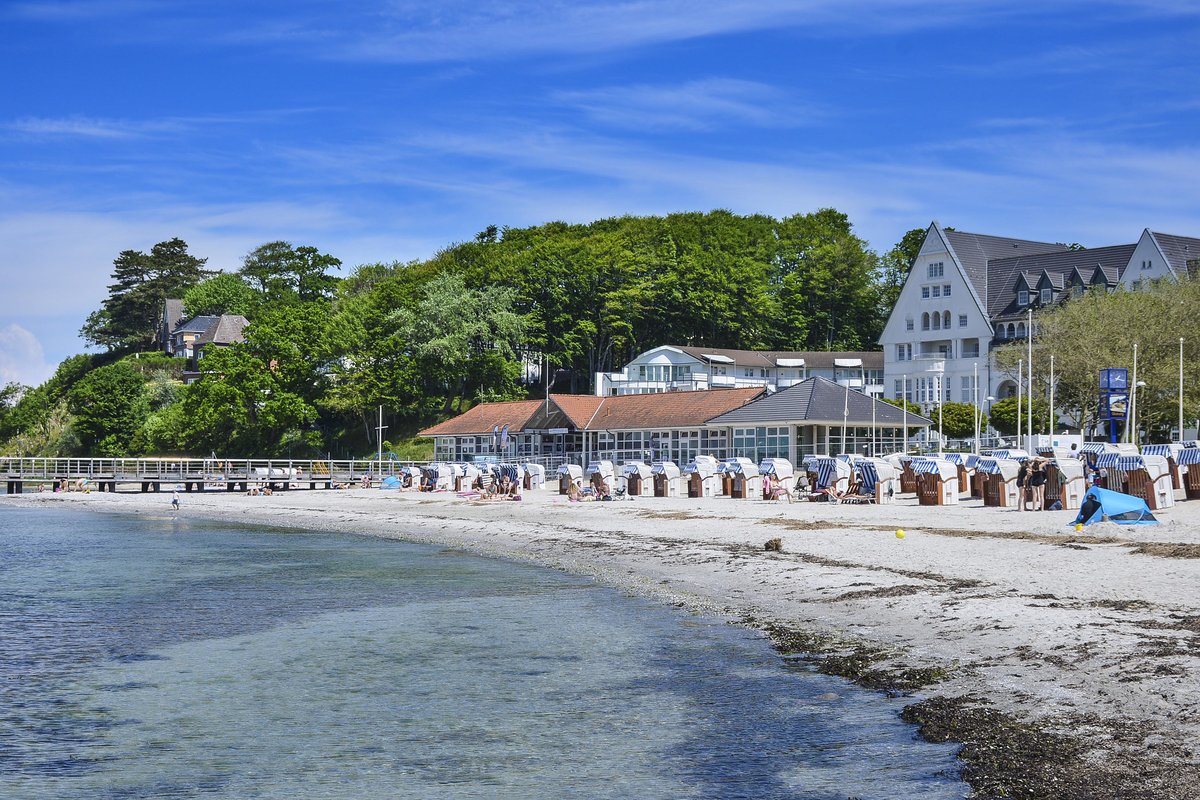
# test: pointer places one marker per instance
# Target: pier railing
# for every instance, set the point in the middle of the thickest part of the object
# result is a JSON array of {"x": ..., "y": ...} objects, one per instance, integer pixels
[{"x": 31, "y": 468}]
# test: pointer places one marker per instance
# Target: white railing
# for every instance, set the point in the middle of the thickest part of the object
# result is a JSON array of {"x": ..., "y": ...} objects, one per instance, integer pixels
[{"x": 218, "y": 470}]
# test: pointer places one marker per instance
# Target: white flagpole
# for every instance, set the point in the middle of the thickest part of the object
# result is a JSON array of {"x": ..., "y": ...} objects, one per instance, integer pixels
[
  {"x": 845, "y": 415},
  {"x": 1052, "y": 419},
  {"x": 1180, "y": 389},
  {"x": 975, "y": 370},
  {"x": 1029, "y": 405},
  {"x": 1020, "y": 394},
  {"x": 1131, "y": 425}
]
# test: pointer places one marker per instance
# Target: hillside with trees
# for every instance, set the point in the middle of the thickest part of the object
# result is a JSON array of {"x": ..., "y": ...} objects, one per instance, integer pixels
[{"x": 427, "y": 339}]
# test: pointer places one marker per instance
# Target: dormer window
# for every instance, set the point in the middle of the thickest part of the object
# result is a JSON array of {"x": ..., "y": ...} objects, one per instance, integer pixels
[
  {"x": 1047, "y": 295},
  {"x": 1023, "y": 297}
]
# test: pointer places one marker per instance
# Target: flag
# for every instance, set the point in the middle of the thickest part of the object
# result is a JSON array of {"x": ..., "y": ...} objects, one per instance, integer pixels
[
  {"x": 504, "y": 437},
  {"x": 495, "y": 437}
]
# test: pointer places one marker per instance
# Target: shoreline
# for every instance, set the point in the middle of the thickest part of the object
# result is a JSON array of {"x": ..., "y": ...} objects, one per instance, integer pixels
[{"x": 1067, "y": 664}]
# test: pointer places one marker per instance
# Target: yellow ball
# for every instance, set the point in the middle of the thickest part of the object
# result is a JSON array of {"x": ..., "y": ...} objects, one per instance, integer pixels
[
  {"x": 1078, "y": 527},
  {"x": 899, "y": 533}
]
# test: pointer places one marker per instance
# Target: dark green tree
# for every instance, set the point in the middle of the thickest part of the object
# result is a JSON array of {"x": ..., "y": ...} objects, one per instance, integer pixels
[
  {"x": 221, "y": 294},
  {"x": 1003, "y": 415},
  {"x": 958, "y": 419},
  {"x": 110, "y": 408},
  {"x": 129, "y": 316},
  {"x": 287, "y": 274}
]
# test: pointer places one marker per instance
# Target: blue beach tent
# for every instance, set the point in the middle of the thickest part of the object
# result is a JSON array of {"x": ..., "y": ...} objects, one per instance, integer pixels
[{"x": 1102, "y": 504}]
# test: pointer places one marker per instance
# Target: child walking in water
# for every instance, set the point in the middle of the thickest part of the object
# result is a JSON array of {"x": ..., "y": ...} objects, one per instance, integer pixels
[{"x": 175, "y": 500}]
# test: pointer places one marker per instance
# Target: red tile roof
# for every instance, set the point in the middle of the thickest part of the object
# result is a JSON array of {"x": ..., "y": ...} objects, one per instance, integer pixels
[
  {"x": 666, "y": 409},
  {"x": 588, "y": 412},
  {"x": 485, "y": 417}
]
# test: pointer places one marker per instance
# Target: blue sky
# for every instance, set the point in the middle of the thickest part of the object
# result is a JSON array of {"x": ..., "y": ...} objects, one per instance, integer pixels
[{"x": 382, "y": 131}]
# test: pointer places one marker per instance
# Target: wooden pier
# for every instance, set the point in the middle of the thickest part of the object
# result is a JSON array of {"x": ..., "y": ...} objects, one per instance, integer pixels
[{"x": 192, "y": 474}]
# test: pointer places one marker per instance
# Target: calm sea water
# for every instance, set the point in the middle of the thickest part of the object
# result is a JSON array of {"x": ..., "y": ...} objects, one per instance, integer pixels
[{"x": 162, "y": 658}]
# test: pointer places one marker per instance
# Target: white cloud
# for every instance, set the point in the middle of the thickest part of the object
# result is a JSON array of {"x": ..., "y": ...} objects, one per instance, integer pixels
[
  {"x": 21, "y": 357},
  {"x": 695, "y": 105}
]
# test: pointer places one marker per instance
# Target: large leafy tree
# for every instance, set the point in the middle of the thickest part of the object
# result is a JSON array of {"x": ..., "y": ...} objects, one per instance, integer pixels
[
  {"x": 110, "y": 408},
  {"x": 128, "y": 318},
  {"x": 1098, "y": 330},
  {"x": 287, "y": 274},
  {"x": 463, "y": 342},
  {"x": 1003, "y": 416},
  {"x": 221, "y": 294},
  {"x": 958, "y": 419}
]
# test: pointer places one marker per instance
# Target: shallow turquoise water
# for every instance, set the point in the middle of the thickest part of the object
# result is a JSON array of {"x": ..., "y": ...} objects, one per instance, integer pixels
[{"x": 156, "y": 658}]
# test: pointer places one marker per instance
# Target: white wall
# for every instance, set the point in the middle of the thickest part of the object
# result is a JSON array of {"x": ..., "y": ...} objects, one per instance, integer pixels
[
  {"x": 912, "y": 305},
  {"x": 1146, "y": 253}
]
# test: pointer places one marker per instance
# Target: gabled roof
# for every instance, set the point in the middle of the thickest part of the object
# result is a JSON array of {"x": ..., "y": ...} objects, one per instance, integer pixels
[
  {"x": 818, "y": 400},
  {"x": 582, "y": 412},
  {"x": 226, "y": 330},
  {"x": 1178, "y": 250},
  {"x": 195, "y": 325},
  {"x": 486, "y": 417},
  {"x": 813, "y": 359},
  {"x": 1004, "y": 273},
  {"x": 975, "y": 250},
  {"x": 172, "y": 313},
  {"x": 666, "y": 409}
]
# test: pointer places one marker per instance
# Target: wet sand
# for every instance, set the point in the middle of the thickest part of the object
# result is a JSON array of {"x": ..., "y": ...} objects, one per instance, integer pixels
[{"x": 1068, "y": 664}]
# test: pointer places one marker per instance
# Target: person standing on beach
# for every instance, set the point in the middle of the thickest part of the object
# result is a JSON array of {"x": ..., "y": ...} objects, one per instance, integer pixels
[
  {"x": 1023, "y": 485},
  {"x": 1037, "y": 484},
  {"x": 175, "y": 500}
]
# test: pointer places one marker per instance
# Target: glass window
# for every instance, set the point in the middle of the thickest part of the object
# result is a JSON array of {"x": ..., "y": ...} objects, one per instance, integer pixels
[
  {"x": 962, "y": 320},
  {"x": 946, "y": 290},
  {"x": 935, "y": 269},
  {"x": 937, "y": 321},
  {"x": 776, "y": 442},
  {"x": 1023, "y": 297},
  {"x": 937, "y": 291},
  {"x": 908, "y": 324},
  {"x": 1047, "y": 295},
  {"x": 925, "y": 321},
  {"x": 744, "y": 443},
  {"x": 946, "y": 319},
  {"x": 924, "y": 292}
]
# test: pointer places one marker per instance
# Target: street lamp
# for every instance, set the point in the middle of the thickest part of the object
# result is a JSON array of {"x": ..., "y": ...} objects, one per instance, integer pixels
[
  {"x": 990, "y": 399},
  {"x": 1133, "y": 423}
]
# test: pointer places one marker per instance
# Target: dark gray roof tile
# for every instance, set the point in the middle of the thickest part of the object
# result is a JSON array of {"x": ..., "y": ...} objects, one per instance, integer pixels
[{"x": 818, "y": 400}]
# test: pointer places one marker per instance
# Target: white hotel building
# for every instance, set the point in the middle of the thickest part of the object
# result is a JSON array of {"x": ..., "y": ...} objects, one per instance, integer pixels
[{"x": 969, "y": 292}]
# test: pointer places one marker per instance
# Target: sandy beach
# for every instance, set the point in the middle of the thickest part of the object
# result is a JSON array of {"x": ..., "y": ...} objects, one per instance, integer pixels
[{"x": 1067, "y": 663}]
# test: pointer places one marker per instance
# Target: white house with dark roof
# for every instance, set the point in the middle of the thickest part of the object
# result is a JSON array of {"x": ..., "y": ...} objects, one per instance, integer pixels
[
  {"x": 968, "y": 293},
  {"x": 1162, "y": 255},
  {"x": 671, "y": 368},
  {"x": 940, "y": 332}
]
